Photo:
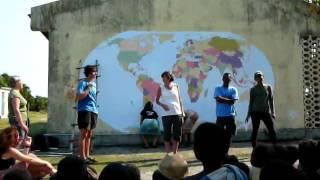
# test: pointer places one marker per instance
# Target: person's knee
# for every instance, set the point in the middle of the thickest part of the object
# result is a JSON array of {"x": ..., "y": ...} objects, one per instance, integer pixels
[{"x": 83, "y": 133}]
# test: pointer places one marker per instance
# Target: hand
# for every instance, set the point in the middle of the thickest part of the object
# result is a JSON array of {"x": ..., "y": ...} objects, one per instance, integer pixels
[
  {"x": 25, "y": 128},
  {"x": 165, "y": 107},
  {"x": 273, "y": 115},
  {"x": 89, "y": 85}
]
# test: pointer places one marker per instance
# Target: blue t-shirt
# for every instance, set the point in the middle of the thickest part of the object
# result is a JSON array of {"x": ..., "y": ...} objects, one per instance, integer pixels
[
  {"x": 224, "y": 109},
  {"x": 88, "y": 103}
]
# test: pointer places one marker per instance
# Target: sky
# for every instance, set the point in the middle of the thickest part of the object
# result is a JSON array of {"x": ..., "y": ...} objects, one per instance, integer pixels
[{"x": 23, "y": 52}]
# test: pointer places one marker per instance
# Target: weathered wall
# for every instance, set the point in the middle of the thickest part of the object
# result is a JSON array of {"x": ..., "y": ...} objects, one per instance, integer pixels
[{"x": 77, "y": 26}]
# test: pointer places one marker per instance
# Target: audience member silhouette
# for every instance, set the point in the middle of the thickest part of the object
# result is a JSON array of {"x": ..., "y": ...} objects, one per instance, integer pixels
[
  {"x": 280, "y": 170},
  {"x": 213, "y": 155},
  {"x": 309, "y": 158},
  {"x": 115, "y": 171},
  {"x": 73, "y": 167},
  {"x": 17, "y": 174}
]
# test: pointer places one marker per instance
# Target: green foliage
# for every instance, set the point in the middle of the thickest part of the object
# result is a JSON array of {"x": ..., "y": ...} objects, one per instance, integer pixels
[
  {"x": 37, "y": 103},
  {"x": 4, "y": 80},
  {"x": 317, "y": 2}
]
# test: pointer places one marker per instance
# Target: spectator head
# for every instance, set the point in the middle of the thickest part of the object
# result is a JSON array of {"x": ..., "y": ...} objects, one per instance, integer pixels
[
  {"x": 17, "y": 174},
  {"x": 72, "y": 167},
  {"x": 9, "y": 137},
  {"x": 15, "y": 82},
  {"x": 173, "y": 166},
  {"x": 90, "y": 69},
  {"x": 167, "y": 75},
  {"x": 280, "y": 170},
  {"x": 263, "y": 153},
  {"x": 120, "y": 171},
  {"x": 309, "y": 157},
  {"x": 215, "y": 153}
]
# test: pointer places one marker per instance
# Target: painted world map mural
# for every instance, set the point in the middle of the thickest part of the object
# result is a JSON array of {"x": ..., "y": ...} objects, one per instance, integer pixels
[{"x": 131, "y": 63}]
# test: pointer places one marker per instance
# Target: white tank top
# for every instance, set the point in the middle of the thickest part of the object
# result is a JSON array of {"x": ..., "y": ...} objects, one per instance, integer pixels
[{"x": 170, "y": 97}]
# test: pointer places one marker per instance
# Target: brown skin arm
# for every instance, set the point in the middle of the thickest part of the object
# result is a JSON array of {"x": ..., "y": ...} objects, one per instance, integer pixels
[{"x": 221, "y": 99}]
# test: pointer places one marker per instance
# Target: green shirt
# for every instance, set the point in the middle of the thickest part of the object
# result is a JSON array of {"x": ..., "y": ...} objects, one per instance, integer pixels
[
  {"x": 261, "y": 99},
  {"x": 23, "y": 105}
]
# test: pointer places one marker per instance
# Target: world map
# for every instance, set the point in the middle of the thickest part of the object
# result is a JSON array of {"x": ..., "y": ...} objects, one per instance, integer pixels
[{"x": 131, "y": 64}]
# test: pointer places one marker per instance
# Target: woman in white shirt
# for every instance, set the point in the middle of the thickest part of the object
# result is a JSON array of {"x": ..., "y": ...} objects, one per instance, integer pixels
[{"x": 169, "y": 95}]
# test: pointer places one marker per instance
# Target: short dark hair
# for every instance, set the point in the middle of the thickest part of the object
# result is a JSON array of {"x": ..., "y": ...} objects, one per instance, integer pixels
[
  {"x": 17, "y": 174},
  {"x": 168, "y": 75},
  {"x": 263, "y": 153},
  {"x": 214, "y": 153},
  {"x": 117, "y": 170},
  {"x": 89, "y": 69},
  {"x": 72, "y": 167}
]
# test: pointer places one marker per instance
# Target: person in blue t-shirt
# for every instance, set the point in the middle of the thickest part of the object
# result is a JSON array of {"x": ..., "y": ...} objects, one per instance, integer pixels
[
  {"x": 226, "y": 96},
  {"x": 87, "y": 110}
]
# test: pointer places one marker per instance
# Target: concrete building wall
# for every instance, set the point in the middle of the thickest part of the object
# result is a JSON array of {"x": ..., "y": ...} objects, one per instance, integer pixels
[{"x": 75, "y": 27}]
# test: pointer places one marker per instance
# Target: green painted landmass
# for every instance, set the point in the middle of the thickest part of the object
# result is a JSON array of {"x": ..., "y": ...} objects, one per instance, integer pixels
[
  {"x": 224, "y": 44},
  {"x": 127, "y": 57}
]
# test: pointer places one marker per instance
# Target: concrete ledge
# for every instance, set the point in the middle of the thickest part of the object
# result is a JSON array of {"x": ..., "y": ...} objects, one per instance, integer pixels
[{"x": 135, "y": 139}]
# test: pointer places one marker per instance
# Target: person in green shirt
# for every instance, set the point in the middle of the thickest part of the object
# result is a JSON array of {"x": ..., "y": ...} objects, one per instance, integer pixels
[
  {"x": 17, "y": 107},
  {"x": 261, "y": 107}
]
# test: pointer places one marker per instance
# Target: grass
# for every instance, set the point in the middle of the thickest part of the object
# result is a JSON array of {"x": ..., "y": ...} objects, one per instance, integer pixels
[{"x": 38, "y": 122}]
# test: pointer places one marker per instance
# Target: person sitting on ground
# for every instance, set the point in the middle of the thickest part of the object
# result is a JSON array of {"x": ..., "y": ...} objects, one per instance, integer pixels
[
  {"x": 17, "y": 174},
  {"x": 149, "y": 125},
  {"x": 120, "y": 171},
  {"x": 9, "y": 139},
  {"x": 309, "y": 158},
  {"x": 190, "y": 119},
  {"x": 212, "y": 156},
  {"x": 263, "y": 153},
  {"x": 74, "y": 167},
  {"x": 280, "y": 170}
]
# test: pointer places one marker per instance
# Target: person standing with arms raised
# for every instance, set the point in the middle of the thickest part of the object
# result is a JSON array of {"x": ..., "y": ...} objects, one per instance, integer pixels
[
  {"x": 172, "y": 118},
  {"x": 261, "y": 107},
  {"x": 87, "y": 111},
  {"x": 226, "y": 96}
]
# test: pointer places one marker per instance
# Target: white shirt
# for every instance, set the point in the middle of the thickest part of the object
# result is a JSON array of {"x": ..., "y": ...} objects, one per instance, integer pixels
[{"x": 170, "y": 97}]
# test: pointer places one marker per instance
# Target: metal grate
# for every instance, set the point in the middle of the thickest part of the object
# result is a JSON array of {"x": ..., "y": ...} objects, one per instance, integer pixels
[{"x": 311, "y": 80}]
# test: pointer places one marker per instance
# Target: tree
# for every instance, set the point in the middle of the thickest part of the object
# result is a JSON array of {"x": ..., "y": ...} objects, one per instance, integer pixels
[{"x": 35, "y": 104}]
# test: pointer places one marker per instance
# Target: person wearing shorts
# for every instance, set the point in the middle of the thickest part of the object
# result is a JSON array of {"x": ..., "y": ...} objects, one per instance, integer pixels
[
  {"x": 87, "y": 111},
  {"x": 172, "y": 117}
]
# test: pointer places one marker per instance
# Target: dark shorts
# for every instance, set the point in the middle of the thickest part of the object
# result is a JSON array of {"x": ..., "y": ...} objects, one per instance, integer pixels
[
  {"x": 228, "y": 123},
  {"x": 87, "y": 120},
  {"x": 172, "y": 125}
]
